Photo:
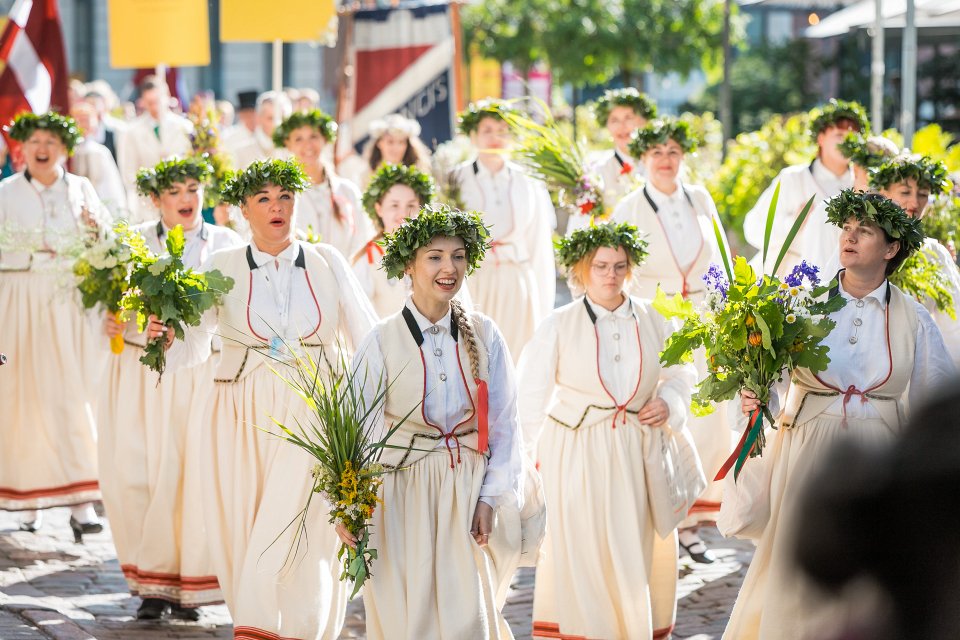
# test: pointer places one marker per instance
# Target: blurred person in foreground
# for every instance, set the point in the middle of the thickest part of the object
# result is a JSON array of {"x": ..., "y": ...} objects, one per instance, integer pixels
[{"x": 904, "y": 581}]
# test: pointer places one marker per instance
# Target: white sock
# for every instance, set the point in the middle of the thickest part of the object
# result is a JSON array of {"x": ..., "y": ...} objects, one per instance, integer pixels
[{"x": 83, "y": 513}]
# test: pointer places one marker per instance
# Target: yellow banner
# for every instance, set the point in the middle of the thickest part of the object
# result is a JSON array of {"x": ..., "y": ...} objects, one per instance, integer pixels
[
  {"x": 290, "y": 20},
  {"x": 147, "y": 33},
  {"x": 485, "y": 78}
]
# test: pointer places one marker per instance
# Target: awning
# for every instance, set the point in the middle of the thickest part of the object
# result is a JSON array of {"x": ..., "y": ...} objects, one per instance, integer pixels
[{"x": 929, "y": 13}]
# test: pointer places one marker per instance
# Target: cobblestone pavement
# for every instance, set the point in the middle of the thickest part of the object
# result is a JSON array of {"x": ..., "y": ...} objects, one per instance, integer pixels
[{"x": 53, "y": 588}]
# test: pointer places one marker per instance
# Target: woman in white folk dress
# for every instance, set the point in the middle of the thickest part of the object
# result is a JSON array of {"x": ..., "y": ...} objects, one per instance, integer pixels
[
  {"x": 443, "y": 538},
  {"x": 394, "y": 139},
  {"x": 517, "y": 284},
  {"x": 149, "y": 433},
  {"x": 55, "y": 352},
  {"x": 884, "y": 342},
  {"x": 287, "y": 295},
  {"x": 822, "y": 178},
  {"x": 621, "y": 112},
  {"x": 587, "y": 426},
  {"x": 679, "y": 219},
  {"x": 395, "y": 193},
  {"x": 330, "y": 207},
  {"x": 910, "y": 181}
]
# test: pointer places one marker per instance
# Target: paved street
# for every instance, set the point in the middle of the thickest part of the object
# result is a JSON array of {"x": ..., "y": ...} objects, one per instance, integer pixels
[{"x": 53, "y": 588}]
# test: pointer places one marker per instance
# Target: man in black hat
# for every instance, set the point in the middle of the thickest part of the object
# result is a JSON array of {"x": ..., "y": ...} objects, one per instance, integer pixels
[{"x": 241, "y": 134}]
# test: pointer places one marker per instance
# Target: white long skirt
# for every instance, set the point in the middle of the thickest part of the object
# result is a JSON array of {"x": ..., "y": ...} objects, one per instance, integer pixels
[
  {"x": 507, "y": 292},
  {"x": 48, "y": 449},
  {"x": 714, "y": 441},
  {"x": 776, "y": 601},
  {"x": 150, "y": 461},
  {"x": 604, "y": 572},
  {"x": 431, "y": 579},
  {"x": 254, "y": 486}
]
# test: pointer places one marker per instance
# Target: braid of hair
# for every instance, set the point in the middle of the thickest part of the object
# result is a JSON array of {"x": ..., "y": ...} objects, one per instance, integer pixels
[{"x": 466, "y": 328}]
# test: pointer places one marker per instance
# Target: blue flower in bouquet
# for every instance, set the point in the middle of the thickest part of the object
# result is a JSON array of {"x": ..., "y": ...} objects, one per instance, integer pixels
[
  {"x": 716, "y": 280},
  {"x": 801, "y": 272}
]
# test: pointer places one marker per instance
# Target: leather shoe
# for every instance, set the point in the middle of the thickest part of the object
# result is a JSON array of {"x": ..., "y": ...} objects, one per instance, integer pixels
[
  {"x": 183, "y": 613},
  {"x": 152, "y": 609},
  {"x": 699, "y": 552}
]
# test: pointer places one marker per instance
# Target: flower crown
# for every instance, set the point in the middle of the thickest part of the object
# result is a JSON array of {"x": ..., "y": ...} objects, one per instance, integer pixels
[
  {"x": 393, "y": 174},
  {"x": 313, "y": 118},
  {"x": 868, "y": 153},
  {"x": 400, "y": 247},
  {"x": 157, "y": 179},
  {"x": 394, "y": 123},
  {"x": 469, "y": 120},
  {"x": 659, "y": 132},
  {"x": 627, "y": 97},
  {"x": 24, "y": 124},
  {"x": 875, "y": 209},
  {"x": 835, "y": 111},
  {"x": 572, "y": 248},
  {"x": 928, "y": 173},
  {"x": 286, "y": 174}
]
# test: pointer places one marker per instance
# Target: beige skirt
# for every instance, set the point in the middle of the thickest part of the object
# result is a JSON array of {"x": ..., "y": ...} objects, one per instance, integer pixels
[
  {"x": 776, "y": 601},
  {"x": 149, "y": 450},
  {"x": 507, "y": 292},
  {"x": 54, "y": 350},
  {"x": 714, "y": 440},
  {"x": 431, "y": 579},
  {"x": 604, "y": 572},
  {"x": 254, "y": 488}
]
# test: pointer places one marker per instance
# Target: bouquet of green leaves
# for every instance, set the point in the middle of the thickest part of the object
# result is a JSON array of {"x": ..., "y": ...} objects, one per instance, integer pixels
[
  {"x": 754, "y": 328},
  {"x": 165, "y": 288},
  {"x": 922, "y": 278},
  {"x": 101, "y": 272},
  {"x": 557, "y": 160},
  {"x": 338, "y": 436}
]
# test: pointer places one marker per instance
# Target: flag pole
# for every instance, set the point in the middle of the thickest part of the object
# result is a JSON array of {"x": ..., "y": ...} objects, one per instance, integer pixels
[
  {"x": 458, "y": 79},
  {"x": 277, "y": 76}
]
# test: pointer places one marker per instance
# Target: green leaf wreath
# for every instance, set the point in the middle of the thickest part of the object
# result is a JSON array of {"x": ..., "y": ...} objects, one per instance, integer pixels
[
  {"x": 659, "y": 132},
  {"x": 160, "y": 177},
  {"x": 64, "y": 127},
  {"x": 286, "y": 174},
  {"x": 400, "y": 247},
  {"x": 641, "y": 104},
  {"x": 390, "y": 175},
  {"x": 314, "y": 118},
  {"x": 833, "y": 112},
  {"x": 572, "y": 248}
]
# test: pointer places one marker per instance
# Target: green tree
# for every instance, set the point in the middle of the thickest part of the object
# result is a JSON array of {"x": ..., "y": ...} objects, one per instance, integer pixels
[
  {"x": 592, "y": 41},
  {"x": 766, "y": 80}
]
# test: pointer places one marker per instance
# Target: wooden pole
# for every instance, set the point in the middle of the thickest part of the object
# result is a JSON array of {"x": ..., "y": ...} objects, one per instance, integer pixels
[
  {"x": 458, "y": 75},
  {"x": 908, "y": 75}
]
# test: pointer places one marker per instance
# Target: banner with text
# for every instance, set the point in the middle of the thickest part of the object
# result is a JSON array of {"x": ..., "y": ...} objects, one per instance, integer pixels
[{"x": 403, "y": 63}]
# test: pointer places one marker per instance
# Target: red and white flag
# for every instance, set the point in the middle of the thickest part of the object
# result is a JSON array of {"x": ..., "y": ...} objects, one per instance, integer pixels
[{"x": 34, "y": 64}]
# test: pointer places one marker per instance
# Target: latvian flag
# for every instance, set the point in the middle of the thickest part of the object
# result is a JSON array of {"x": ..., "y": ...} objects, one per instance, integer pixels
[
  {"x": 34, "y": 65},
  {"x": 404, "y": 64}
]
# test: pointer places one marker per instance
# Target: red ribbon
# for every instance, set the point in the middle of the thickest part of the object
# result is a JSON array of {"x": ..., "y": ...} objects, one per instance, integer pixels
[
  {"x": 587, "y": 207},
  {"x": 625, "y": 168},
  {"x": 483, "y": 409},
  {"x": 370, "y": 247}
]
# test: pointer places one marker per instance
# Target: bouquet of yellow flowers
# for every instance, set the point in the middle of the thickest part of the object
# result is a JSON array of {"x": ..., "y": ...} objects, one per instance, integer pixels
[
  {"x": 754, "y": 329},
  {"x": 339, "y": 436}
]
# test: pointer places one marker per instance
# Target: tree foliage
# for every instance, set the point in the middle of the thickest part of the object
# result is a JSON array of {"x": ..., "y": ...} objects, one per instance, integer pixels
[{"x": 591, "y": 41}]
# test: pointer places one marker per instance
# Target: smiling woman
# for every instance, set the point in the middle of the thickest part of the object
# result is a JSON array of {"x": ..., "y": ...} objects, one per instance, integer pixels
[
  {"x": 291, "y": 298},
  {"x": 48, "y": 457},
  {"x": 455, "y": 461}
]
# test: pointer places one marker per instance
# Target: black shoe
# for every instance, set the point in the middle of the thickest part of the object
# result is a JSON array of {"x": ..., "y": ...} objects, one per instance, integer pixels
[
  {"x": 699, "y": 552},
  {"x": 152, "y": 609},
  {"x": 80, "y": 528},
  {"x": 182, "y": 613},
  {"x": 30, "y": 526}
]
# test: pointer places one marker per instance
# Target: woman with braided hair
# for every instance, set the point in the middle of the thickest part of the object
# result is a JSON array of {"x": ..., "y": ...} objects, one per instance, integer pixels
[
  {"x": 330, "y": 206},
  {"x": 445, "y": 534},
  {"x": 605, "y": 572}
]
